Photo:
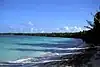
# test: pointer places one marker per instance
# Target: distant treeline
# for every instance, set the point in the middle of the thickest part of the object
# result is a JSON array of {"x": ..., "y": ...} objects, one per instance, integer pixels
[{"x": 71, "y": 35}]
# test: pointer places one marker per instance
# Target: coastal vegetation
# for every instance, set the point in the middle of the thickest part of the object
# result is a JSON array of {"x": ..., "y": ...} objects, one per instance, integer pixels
[{"x": 93, "y": 35}]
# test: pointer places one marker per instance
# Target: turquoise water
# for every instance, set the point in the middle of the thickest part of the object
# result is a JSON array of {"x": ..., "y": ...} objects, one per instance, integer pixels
[{"x": 15, "y": 47}]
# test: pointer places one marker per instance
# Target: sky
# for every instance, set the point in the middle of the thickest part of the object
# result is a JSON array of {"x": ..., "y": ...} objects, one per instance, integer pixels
[{"x": 46, "y": 15}]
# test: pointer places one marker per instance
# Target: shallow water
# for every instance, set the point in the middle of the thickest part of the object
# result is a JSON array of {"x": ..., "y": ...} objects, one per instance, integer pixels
[
  {"x": 15, "y": 47},
  {"x": 31, "y": 51}
]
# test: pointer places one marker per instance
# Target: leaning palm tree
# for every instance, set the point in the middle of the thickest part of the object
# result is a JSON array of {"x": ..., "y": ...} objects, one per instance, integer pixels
[
  {"x": 96, "y": 24},
  {"x": 91, "y": 25},
  {"x": 93, "y": 34}
]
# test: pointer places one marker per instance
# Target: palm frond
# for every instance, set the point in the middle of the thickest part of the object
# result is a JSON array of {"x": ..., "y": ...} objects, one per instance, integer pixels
[
  {"x": 90, "y": 23},
  {"x": 94, "y": 16},
  {"x": 88, "y": 27}
]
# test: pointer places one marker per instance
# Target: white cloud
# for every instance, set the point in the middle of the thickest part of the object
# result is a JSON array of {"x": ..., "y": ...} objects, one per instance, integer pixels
[
  {"x": 66, "y": 28},
  {"x": 80, "y": 29},
  {"x": 70, "y": 29},
  {"x": 30, "y": 23},
  {"x": 86, "y": 29},
  {"x": 42, "y": 31},
  {"x": 57, "y": 28},
  {"x": 31, "y": 29},
  {"x": 77, "y": 29}
]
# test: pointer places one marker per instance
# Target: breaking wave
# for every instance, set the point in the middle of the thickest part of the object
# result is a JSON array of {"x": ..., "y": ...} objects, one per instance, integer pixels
[{"x": 44, "y": 59}]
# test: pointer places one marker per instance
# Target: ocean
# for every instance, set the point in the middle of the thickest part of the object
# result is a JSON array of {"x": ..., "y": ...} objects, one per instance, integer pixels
[{"x": 13, "y": 48}]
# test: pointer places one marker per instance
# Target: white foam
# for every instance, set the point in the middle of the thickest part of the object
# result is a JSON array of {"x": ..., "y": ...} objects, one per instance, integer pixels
[
  {"x": 50, "y": 55},
  {"x": 75, "y": 48},
  {"x": 44, "y": 61},
  {"x": 20, "y": 60}
]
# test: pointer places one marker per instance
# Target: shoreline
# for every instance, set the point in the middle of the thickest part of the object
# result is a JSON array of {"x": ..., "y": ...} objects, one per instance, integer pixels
[
  {"x": 73, "y": 60},
  {"x": 82, "y": 59}
]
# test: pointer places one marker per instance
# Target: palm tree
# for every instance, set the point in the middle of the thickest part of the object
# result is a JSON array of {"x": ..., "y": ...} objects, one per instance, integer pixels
[
  {"x": 96, "y": 24},
  {"x": 91, "y": 25},
  {"x": 93, "y": 35}
]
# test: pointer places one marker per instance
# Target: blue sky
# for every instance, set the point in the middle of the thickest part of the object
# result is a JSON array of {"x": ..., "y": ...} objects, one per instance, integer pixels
[{"x": 45, "y": 15}]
